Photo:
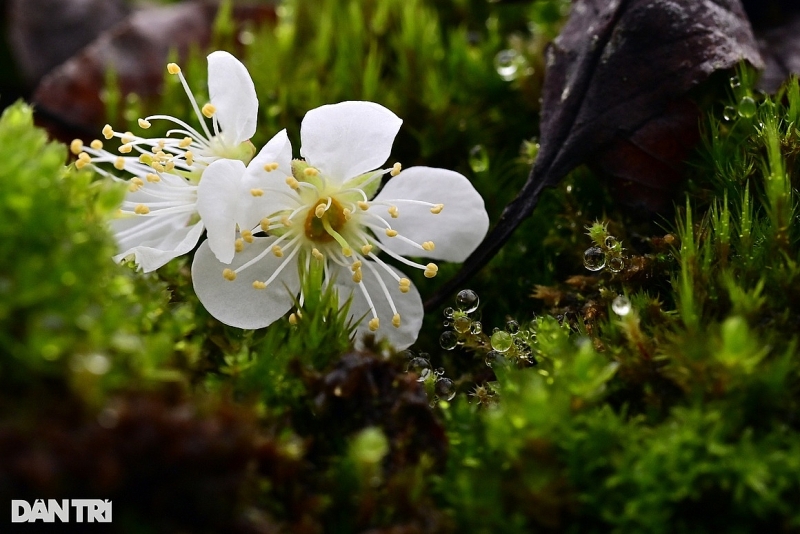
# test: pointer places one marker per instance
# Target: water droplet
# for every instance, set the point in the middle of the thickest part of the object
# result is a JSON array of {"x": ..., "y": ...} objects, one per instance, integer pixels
[
  {"x": 439, "y": 372},
  {"x": 419, "y": 366},
  {"x": 616, "y": 264},
  {"x": 495, "y": 358},
  {"x": 747, "y": 107},
  {"x": 478, "y": 158},
  {"x": 467, "y": 300},
  {"x": 729, "y": 113},
  {"x": 611, "y": 242},
  {"x": 447, "y": 324},
  {"x": 594, "y": 258},
  {"x": 448, "y": 312},
  {"x": 512, "y": 327},
  {"x": 507, "y": 63},
  {"x": 501, "y": 341},
  {"x": 448, "y": 340},
  {"x": 462, "y": 324},
  {"x": 445, "y": 389},
  {"x": 735, "y": 82},
  {"x": 407, "y": 354},
  {"x": 476, "y": 328},
  {"x": 621, "y": 305}
]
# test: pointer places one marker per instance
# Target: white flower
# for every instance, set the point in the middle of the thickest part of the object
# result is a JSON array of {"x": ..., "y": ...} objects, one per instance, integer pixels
[
  {"x": 163, "y": 214},
  {"x": 322, "y": 209}
]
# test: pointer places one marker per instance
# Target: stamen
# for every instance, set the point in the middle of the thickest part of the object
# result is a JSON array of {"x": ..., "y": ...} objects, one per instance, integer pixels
[
  {"x": 96, "y": 144},
  {"x": 396, "y": 168},
  {"x": 126, "y": 148},
  {"x": 357, "y": 276},
  {"x": 81, "y": 164},
  {"x": 190, "y": 158},
  {"x": 366, "y": 249},
  {"x": 277, "y": 251},
  {"x": 396, "y": 320},
  {"x": 291, "y": 181},
  {"x": 257, "y": 192},
  {"x": 430, "y": 270},
  {"x": 293, "y": 319},
  {"x": 152, "y": 178},
  {"x": 269, "y": 167},
  {"x": 119, "y": 164},
  {"x": 390, "y": 232},
  {"x": 394, "y": 212},
  {"x": 347, "y": 214},
  {"x": 247, "y": 235},
  {"x": 363, "y": 205},
  {"x": 83, "y": 156},
  {"x": 265, "y": 224},
  {"x": 319, "y": 211},
  {"x": 437, "y": 209},
  {"x": 108, "y": 131},
  {"x": 317, "y": 254},
  {"x": 141, "y": 209},
  {"x": 144, "y": 124},
  {"x": 208, "y": 110},
  {"x": 310, "y": 171},
  {"x": 173, "y": 68},
  {"x": 404, "y": 285},
  {"x": 185, "y": 142},
  {"x": 356, "y": 265},
  {"x": 374, "y": 324},
  {"x": 428, "y": 245},
  {"x": 259, "y": 285},
  {"x": 238, "y": 245},
  {"x": 76, "y": 146},
  {"x": 229, "y": 275},
  {"x": 286, "y": 221}
]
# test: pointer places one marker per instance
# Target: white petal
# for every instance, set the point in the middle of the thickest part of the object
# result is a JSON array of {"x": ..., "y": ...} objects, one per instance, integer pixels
[
  {"x": 233, "y": 94},
  {"x": 347, "y": 139},
  {"x": 408, "y": 305},
  {"x": 237, "y": 303},
  {"x": 158, "y": 239},
  {"x": 219, "y": 203},
  {"x": 455, "y": 232},
  {"x": 277, "y": 150}
]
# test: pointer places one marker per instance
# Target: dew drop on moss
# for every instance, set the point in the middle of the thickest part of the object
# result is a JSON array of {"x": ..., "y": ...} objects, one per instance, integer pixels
[
  {"x": 501, "y": 341},
  {"x": 594, "y": 258},
  {"x": 476, "y": 328},
  {"x": 495, "y": 358},
  {"x": 448, "y": 340},
  {"x": 467, "y": 300},
  {"x": 419, "y": 366},
  {"x": 621, "y": 305},
  {"x": 735, "y": 82},
  {"x": 512, "y": 327},
  {"x": 616, "y": 264},
  {"x": 507, "y": 63},
  {"x": 478, "y": 158},
  {"x": 462, "y": 324},
  {"x": 729, "y": 113},
  {"x": 445, "y": 389},
  {"x": 747, "y": 107},
  {"x": 448, "y": 312}
]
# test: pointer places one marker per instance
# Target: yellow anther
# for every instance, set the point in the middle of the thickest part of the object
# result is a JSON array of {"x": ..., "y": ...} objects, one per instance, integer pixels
[
  {"x": 96, "y": 144},
  {"x": 161, "y": 155},
  {"x": 152, "y": 177},
  {"x": 366, "y": 249},
  {"x": 119, "y": 164},
  {"x": 286, "y": 221},
  {"x": 126, "y": 148},
  {"x": 319, "y": 211},
  {"x": 141, "y": 209},
  {"x": 208, "y": 110},
  {"x": 189, "y": 157},
  {"x": 173, "y": 68},
  {"x": 259, "y": 285},
  {"x": 430, "y": 270},
  {"x": 390, "y": 232},
  {"x": 185, "y": 142},
  {"x": 108, "y": 131},
  {"x": 265, "y": 224},
  {"x": 396, "y": 320},
  {"x": 81, "y": 164},
  {"x": 147, "y": 159},
  {"x": 257, "y": 192},
  {"x": 357, "y": 276},
  {"x": 76, "y": 146},
  {"x": 138, "y": 181},
  {"x": 269, "y": 167},
  {"x": 356, "y": 265},
  {"x": 247, "y": 235},
  {"x": 317, "y": 254},
  {"x": 347, "y": 214},
  {"x": 170, "y": 165},
  {"x": 396, "y": 168},
  {"x": 133, "y": 187},
  {"x": 394, "y": 212},
  {"x": 374, "y": 324},
  {"x": 347, "y": 251},
  {"x": 278, "y": 251},
  {"x": 158, "y": 167},
  {"x": 83, "y": 156},
  {"x": 404, "y": 285},
  {"x": 292, "y": 182},
  {"x": 310, "y": 171},
  {"x": 229, "y": 275},
  {"x": 127, "y": 138},
  {"x": 437, "y": 209},
  {"x": 428, "y": 245},
  {"x": 144, "y": 124},
  {"x": 363, "y": 205},
  {"x": 238, "y": 245},
  {"x": 293, "y": 319}
]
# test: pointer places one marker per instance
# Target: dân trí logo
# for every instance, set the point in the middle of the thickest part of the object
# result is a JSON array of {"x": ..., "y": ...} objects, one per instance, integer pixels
[{"x": 66, "y": 510}]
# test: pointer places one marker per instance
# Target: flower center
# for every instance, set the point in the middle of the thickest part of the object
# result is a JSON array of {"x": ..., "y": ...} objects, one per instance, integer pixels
[{"x": 325, "y": 228}]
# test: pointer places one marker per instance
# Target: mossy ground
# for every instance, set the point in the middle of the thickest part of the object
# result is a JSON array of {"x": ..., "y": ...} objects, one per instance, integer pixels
[{"x": 677, "y": 416}]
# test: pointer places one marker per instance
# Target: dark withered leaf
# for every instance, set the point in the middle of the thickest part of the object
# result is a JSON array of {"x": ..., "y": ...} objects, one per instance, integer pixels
[{"x": 616, "y": 65}]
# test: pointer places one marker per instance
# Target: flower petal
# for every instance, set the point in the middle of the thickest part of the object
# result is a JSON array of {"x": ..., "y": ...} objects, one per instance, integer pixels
[
  {"x": 277, "y": 151},
  {"x": 408, "y": 305},
  {"x": 237, "y": 303},
  {"x": 156, "y": 240},
  {"x": 233, "y": 94},
  {"x": 456, "y": 231},
  {"x": 219, "y": 200},
  {"x": 347, "y": 139}
]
